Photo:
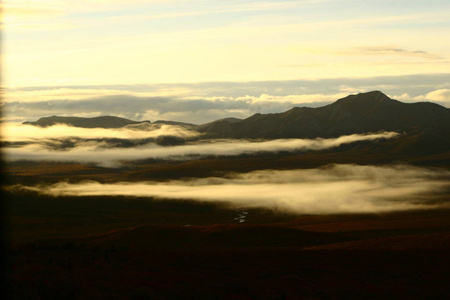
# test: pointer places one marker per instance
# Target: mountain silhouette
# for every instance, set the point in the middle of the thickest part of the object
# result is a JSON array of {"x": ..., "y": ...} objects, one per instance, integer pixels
[
  {"x": 96, "y": 122},
  {"x": 424, "y": 127},
  {"x": 361, "y": 113}
]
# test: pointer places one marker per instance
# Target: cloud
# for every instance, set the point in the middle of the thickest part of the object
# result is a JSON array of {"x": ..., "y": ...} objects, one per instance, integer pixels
[
  {"x": 442, "y": 95},
  {"x": 413, "y": 84},
  {"x": 395, "y": 51},
  {"x": 196, "y": 110},
  {"x": 51, "y": 15},
  {"x": 78, "y": 94},
  {"x": 292, "y": 99},
  {"x": 113, "y": 157},
  {"x": 43, "y": 15},
  {"x": 330, "y": 190},
  {"x": 14, "y": 132},
  {"x": 208, "y": 101},
  {"x": 238, "y": 46}
]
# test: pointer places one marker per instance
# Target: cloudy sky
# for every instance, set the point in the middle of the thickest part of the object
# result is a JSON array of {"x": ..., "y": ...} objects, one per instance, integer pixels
[{"x": 196, "y": 60}]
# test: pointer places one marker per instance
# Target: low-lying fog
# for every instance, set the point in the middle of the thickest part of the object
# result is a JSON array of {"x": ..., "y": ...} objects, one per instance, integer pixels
[
  {"x": 41, "y": 144},
  {"x": 332, "y": 189},
  {"x": 28, "y": 133}
]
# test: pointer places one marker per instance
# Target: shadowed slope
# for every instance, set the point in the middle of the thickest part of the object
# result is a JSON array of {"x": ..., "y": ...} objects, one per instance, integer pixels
[
  {"x": 361, "y": 113},
  {"x": 97, "y": 122}
]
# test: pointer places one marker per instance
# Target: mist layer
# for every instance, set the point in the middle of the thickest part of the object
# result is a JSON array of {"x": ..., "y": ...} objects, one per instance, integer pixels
[
  {"x": 329, "y": 190},
  {"x": 91, "y": 153}
]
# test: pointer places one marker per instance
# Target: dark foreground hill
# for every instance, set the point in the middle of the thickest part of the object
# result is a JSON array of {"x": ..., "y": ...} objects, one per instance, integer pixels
[{"x": 84, "y": 248}]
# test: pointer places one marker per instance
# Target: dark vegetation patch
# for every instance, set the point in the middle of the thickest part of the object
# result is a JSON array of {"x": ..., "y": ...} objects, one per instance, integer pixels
[{"x": 34, "y": 216}]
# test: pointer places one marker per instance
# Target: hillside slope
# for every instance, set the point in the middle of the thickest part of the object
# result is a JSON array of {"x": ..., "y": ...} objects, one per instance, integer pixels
[{"x": 361, "y": 113}]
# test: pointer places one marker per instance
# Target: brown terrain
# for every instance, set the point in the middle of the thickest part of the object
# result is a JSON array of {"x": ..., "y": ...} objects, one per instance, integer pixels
[
  {"x": 117, "y": 247},
  {"x": 140, "y": 248}
]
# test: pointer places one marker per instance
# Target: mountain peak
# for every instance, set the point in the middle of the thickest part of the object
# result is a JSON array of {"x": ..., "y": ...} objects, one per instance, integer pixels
[
  {"x": 365, "y": 100},
  {"x": 367, "y": 96},
  {"x": 376, "y": 95}
]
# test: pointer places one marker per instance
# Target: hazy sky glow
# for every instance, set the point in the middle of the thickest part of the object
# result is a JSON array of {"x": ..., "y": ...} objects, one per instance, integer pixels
[
  {"x": 335, "y": 189},
  {"x": 80, "y": 50},
  {"x": 118, "y": 42}
]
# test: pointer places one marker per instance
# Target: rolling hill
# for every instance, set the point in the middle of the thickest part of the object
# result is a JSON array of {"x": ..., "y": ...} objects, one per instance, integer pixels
[{"x": 96, "y": 122}]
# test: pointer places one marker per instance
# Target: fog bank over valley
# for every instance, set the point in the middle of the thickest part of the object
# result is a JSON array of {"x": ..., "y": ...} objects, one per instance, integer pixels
[
  {"x": 16, "y": 132},
  {"x": 331, "y": 189},
  {"x": 45, "y": 148}
]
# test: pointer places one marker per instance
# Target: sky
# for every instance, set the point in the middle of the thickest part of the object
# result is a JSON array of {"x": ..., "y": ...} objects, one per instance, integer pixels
[{"x": 196, "y": 61}]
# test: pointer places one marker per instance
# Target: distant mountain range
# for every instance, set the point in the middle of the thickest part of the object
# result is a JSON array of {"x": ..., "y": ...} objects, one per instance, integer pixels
[
  {"x": 425, "y": 127},
  {"x": 96, "y": 122},
  {"x": 361, "y": 113}
]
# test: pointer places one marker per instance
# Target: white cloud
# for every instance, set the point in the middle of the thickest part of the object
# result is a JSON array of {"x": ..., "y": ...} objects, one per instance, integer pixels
[
  {"x": 292, "y": 99},
  {"x": 440, "y": 95}
]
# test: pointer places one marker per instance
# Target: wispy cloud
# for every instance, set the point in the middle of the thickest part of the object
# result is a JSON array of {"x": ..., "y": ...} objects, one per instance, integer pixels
[
  {"x": 46, "y": 15},
  {"x": 390, "y": 50},
  {"x": 51, "y": 15},
  {"x": 221, "y": 41},
  {"x": 330, "y": 190},
  {"x": 75, "y": 93}
]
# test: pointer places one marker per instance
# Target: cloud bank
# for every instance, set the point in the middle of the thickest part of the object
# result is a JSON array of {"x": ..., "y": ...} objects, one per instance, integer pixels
[
  {"x": 29, "y": 133},
  {"x": 112, "y": 157},
  {"x": 329, "y": 190},
  {"x": 208, "y": 101}
]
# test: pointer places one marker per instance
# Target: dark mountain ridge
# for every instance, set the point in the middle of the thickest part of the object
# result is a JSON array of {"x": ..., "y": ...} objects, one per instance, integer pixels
[
  {"x": 99, "y": 122},
  {"x": 96, "y": 122},
  {"x": 424, "y": 126},
  {"x": 361, "y": 113}
]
